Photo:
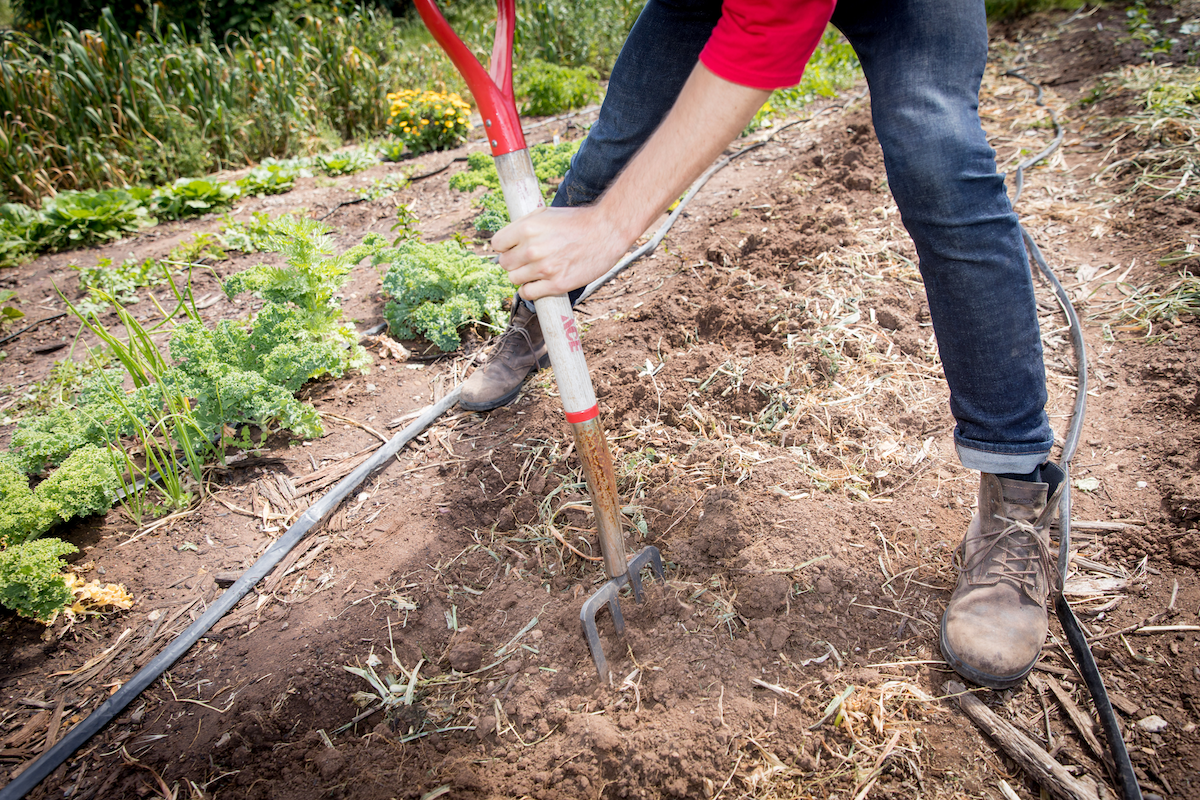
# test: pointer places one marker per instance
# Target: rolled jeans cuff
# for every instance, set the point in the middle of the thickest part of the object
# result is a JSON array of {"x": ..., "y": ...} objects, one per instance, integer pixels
[{"x": 1000, "y": 463}]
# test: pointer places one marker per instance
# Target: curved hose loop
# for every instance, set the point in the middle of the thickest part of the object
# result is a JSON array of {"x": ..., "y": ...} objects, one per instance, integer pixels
[{"x": 1066, "y": 616}]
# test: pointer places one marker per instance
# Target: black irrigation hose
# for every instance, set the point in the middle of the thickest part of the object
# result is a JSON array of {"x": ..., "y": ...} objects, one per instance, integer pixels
[
  {"x": 1066, "y": 616},
  {"x": 31, "y": 326},
  {"x": 46, "y": 763}
]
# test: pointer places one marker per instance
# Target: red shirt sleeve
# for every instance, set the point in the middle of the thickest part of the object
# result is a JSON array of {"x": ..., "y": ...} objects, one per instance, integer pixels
[{"x": 764, "y": 44}]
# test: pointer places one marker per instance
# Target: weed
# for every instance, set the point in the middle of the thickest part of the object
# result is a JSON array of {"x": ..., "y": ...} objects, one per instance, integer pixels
[
  {"x": 405, "y": 226},
  {"x": 392, "y": 150},
  {"x": 1142, "y": 306},
  {"x": 1166, "y": 121},
  {"x": 9, "y": 313},
  {"x": 119, "y": 282},
  {"x": 383, "y": 187},
  {"x": 250, "y": 236}
]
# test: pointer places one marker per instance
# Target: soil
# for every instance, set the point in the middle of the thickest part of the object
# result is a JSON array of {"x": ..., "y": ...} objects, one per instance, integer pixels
[{"x": 770, "y": 387}]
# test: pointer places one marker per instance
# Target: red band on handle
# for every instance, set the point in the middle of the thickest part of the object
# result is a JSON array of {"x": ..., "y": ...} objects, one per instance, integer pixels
[
  {"x": 583, "y": 416},
  {"x": 493, "y": 92}
]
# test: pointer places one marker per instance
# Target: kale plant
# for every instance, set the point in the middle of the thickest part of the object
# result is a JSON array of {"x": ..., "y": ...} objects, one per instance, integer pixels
[
  {"x": 438, "y": 289},
  {"x": 550, "y": 163},
  {"x": 31, "y": 580},
  {"x": 30, "y": 571},
  {"x": 310, "y": 277},
  {"x": 493, "y": 213}
]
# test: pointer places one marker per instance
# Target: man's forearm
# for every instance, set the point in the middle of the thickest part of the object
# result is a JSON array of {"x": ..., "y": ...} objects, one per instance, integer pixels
[
  {"x": 709, "y": 114},
  {"x": 554, "y": 250}
]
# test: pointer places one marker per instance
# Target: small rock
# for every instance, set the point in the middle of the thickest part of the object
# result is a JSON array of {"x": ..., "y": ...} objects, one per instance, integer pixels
[
  {"x": 466, "y": 656},
  {"x": 485, "y": 726},
  {"x": 329, "y": 762},
  {"x": 604, "y": 733},
  {"x": 1153, "y": 724}
]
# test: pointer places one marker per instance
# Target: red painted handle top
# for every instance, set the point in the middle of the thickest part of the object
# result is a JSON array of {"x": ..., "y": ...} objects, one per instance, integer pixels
[{"x": 493, "y": 92}]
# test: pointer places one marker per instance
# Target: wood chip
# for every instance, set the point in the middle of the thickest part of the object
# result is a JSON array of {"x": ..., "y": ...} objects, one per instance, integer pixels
[{"x": 1026, "y": 752}]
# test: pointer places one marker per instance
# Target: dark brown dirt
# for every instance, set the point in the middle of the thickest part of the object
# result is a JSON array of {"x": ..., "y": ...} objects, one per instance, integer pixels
[{"x": 793, "y": 463}]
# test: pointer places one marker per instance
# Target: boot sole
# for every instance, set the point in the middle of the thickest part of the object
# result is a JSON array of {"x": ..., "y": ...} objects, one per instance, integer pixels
[
  {"x": 977, "y": 676},
  {"x": 488, "y": 405}
]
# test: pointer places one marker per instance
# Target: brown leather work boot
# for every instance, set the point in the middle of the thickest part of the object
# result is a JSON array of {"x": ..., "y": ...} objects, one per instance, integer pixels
[
  {"x": 996, "y": 621},
  {"x": 516, "y": 353}
]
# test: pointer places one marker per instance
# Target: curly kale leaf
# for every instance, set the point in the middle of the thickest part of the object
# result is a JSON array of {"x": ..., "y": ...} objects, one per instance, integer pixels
[
  {"x": 228, "y": 390},
  {"x": 21, "y": 516},
  {"x": 46, "y": 439},
  {"x": 86, "y": 483},
  {"x": 438, "y": 289},
  {"x": 494, "y": 213},
  {"x": 311, "y": 276},
  {"x": 550, "y": 161},
  {"x": 31, "y": 581}
]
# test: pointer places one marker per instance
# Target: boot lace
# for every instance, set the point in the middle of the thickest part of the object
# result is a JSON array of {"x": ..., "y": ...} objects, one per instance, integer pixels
[
  {"x": 1016, "y": 554},
  {"x": 510, "y": 340}
]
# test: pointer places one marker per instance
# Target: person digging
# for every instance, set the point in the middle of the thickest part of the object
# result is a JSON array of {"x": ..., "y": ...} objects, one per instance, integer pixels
[{"x": 688, "y": 80}]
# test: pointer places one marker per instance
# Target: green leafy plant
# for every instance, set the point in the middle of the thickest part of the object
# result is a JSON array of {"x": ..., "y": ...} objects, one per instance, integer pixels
[
  {"x": 425, "y": 120},
  {"x": 31, "y": 581},
  {"x": 192, "y": 197},
  {"x": 270, "y": 177},
  {"x": 201, "y": 248},
  {"x": 383, "y": 187},
  {"x": 74, "y": 219},
  {"x": 392, "y": 150},
  {"x": 405, "y": 226},
  {"x": 494, "y": 213},
  {"x": 252, "y": 235},
  {"x": 345, "y": 163},
  {"x": 18, "y": 233},
  {"x": 119, "y": 281},
  {"x": 550, "y": 161},
  {"x": 552, "y": 88},
  {"x": 436, "y": 290},
  {"x": 9, "y": 313}
]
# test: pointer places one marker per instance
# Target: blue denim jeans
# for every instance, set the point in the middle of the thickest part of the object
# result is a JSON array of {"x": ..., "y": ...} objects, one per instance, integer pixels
[{"x": 923, "y": 60}]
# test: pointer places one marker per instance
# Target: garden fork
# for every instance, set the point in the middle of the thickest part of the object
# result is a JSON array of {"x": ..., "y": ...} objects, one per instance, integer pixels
[{"x": 493, "y": 94}]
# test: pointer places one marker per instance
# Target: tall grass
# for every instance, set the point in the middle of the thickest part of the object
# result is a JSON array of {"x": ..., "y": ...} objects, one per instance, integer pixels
[
  {"x": 108, "y": 108},
  {"x": 105, "y": 108}
]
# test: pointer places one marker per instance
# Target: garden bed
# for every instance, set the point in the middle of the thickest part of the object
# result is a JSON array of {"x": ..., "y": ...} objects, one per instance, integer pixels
[{"x": 770, "y": 386}]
